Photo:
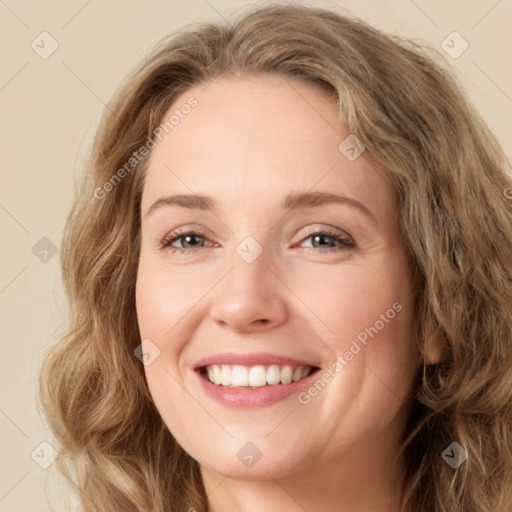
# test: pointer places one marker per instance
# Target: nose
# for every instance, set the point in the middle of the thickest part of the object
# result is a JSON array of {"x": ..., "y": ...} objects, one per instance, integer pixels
[{"x": 251, "y": 297}]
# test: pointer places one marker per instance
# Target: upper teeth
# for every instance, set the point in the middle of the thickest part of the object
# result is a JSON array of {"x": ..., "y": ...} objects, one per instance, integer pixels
[{"x": 256, "y": 376}]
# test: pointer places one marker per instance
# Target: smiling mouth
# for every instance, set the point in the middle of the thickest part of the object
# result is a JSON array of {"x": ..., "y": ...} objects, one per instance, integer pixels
[{"x": 236, "y": 376}]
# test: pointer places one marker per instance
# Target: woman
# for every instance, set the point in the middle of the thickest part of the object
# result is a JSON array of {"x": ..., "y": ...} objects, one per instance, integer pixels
[{"x": 220, "y": 356}]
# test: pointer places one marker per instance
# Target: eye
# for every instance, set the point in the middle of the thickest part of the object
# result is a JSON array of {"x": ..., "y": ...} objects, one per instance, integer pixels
[
  {"x": 188, "y": 241},
  {"x": 319, "y": 239}
]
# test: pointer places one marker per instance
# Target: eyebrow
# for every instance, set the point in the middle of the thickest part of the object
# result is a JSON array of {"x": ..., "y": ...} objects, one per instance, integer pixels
[{"x": 295, "y": 201}]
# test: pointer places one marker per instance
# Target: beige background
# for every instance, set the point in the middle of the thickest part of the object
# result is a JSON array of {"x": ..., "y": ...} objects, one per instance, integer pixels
[{"x": 49, "y": 111}]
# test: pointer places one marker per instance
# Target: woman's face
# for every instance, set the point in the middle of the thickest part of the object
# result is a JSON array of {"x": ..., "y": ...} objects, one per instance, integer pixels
[{"x": 291, "y": 294}]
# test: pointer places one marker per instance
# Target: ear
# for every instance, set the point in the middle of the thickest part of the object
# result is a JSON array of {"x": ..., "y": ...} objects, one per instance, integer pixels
[{"x": 434, "y": 348}]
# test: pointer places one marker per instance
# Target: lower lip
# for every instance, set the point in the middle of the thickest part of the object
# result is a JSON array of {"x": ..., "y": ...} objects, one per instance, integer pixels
[{"x": 252, "y": 397}]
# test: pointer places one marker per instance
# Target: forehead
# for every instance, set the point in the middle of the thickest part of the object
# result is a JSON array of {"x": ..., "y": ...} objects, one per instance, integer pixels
[{"x": 258, "y": 137}]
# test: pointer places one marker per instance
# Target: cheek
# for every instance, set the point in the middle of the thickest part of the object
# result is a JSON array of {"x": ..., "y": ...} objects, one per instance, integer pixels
[
  {"x": 367, "y": 319},
  {"x": 167, "y": 303},
  {"x": 163, "y": 298},
  {"x": 350, "y": 302},
  {"x": 159, "y": 309}
]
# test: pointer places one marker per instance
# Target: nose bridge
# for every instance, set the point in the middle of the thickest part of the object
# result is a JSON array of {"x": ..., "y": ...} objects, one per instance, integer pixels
[
  {"x": 250, "y": 268},
  {"x": 249, "y": 294}
]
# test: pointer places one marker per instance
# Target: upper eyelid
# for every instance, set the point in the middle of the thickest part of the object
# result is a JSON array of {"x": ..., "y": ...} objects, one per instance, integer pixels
[
  {"x": 188, "y": 231},
  {"x": 205, "y": 232}
]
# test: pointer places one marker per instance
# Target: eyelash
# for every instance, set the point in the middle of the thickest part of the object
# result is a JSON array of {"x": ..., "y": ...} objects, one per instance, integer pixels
[{"x": 346, "y": 243}]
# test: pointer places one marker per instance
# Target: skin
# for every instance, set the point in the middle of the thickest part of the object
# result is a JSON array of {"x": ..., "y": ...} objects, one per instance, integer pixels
[{"x": 248, "y": 143}]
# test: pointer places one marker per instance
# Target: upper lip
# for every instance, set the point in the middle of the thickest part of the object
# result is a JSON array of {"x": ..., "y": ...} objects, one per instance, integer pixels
[{"x": 259, "y": 358}]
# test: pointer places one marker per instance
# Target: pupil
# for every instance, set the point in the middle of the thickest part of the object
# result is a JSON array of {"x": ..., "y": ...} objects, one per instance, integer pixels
[
  {"x": 323, "y": 237},
  {"x": 187, "y": 239}
]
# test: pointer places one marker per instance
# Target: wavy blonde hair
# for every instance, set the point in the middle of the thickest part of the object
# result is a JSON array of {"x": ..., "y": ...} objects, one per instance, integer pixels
[{"x": 449, "y": 175}]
